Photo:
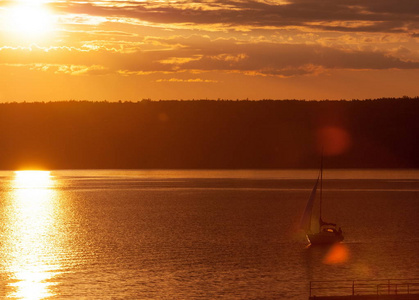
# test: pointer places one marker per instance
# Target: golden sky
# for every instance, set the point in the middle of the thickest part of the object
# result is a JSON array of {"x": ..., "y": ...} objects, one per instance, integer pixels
[{"x": 231, "y": 49}]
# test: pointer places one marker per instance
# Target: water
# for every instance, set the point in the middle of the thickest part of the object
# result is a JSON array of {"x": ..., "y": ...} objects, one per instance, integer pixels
[{"x": 198, "y": 234}]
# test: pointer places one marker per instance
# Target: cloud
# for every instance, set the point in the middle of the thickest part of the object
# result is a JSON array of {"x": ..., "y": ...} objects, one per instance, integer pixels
[
  {"x": 194, "y": 80},
  {"x": 372, "y": 15},
  {"x": 198, "y": 53},
  {"x": 282, "y": 59},
  {"x": 62, "y": 69}
]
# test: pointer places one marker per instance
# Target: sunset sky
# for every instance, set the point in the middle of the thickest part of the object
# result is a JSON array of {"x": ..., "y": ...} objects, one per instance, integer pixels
[{"x": 231, "y": 49}]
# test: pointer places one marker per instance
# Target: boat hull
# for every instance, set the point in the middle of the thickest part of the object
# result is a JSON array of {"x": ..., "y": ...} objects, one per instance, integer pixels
[{"x": 324, "y": 238}]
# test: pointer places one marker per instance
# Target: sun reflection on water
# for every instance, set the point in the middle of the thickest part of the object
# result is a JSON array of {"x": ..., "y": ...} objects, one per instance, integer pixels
[
  {"x": 33, "y": 238},
  {"x": 32, "y": 180}
]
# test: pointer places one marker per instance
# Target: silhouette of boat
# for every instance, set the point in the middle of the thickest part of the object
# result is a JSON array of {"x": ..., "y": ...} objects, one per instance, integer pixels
[{"x": 324, "y": 233}]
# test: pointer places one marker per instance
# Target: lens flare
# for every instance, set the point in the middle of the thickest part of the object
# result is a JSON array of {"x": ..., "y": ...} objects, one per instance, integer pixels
[
  {"x": 337, "y": 254},
  {"x": 333, "y": 140}
]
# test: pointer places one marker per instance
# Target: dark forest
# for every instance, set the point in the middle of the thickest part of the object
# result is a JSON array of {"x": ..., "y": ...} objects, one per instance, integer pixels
[{"x": 381, "y": 133}]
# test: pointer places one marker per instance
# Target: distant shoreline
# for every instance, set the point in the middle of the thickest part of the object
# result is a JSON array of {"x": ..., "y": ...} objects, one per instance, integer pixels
[
  {"x": 405, "y": 177},
  {"x": 209, "y": 100},
  {"x": 210, "y": 134}
]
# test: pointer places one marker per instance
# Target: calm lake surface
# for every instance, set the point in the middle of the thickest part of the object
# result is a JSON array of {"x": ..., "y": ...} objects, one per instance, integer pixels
[{"x": 198, "y": 234}]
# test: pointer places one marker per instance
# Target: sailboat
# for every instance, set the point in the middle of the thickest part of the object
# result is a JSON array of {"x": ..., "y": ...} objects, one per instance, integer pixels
[{"x": 326, "y": 233}]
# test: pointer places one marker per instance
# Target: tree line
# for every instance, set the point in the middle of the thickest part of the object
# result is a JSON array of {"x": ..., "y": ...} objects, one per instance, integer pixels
[{"x": 206, "y": 134}]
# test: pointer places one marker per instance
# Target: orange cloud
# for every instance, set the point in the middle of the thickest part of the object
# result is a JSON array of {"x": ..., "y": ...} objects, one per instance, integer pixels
[{"x": 195, "y": 80}]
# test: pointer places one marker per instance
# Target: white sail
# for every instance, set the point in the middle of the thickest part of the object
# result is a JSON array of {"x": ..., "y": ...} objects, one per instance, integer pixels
[{"x": 305, "y": 222}]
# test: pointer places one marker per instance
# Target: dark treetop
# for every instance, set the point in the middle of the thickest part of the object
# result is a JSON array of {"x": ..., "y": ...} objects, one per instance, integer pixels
[{"x": 381, "y": 133}]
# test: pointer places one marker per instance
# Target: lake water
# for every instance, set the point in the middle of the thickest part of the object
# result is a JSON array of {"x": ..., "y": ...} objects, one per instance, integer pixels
[{"x": 198, "y": 234}]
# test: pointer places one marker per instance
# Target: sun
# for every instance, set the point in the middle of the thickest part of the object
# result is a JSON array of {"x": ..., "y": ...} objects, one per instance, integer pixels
[{"x": 27, "y": 19}]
